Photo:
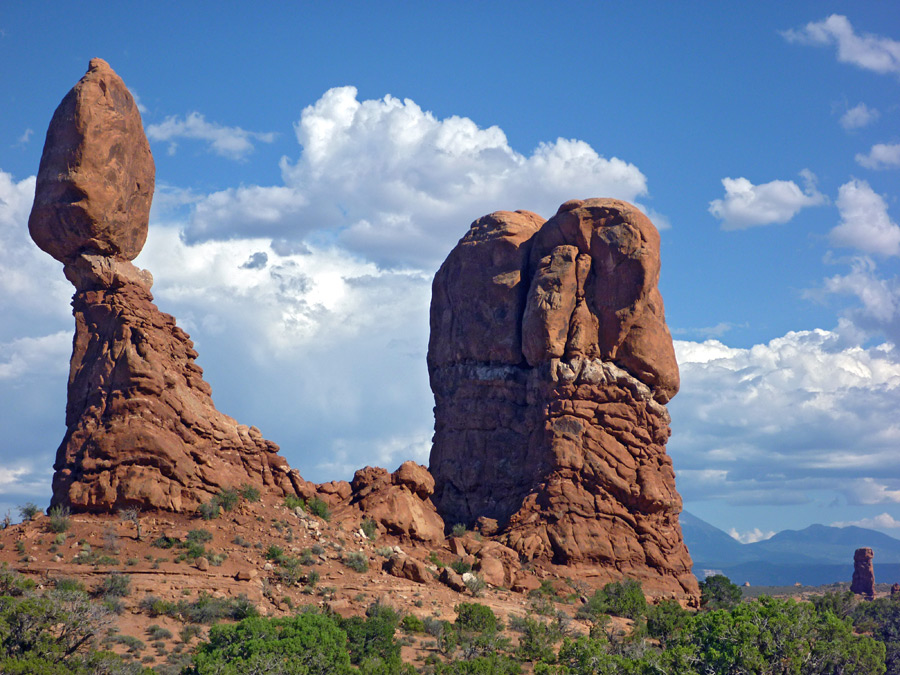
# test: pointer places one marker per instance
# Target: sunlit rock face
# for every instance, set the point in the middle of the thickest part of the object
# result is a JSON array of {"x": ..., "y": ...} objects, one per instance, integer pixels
[
  {"x": 551, "y": 364},
  {"x": 142, "y": 429}
]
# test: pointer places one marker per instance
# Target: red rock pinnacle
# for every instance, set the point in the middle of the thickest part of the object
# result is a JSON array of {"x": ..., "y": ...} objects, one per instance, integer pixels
[
  {"x": 142, "y": 429},
  {"x": 551, "y": 362}
]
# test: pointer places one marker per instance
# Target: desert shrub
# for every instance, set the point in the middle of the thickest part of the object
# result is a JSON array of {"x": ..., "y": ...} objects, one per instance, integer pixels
[
  {"x": 369, "y": 528},
  {"x": 209, "y": 510},
  {"x": 155, "y": 606},
  {"x": 319, "y": 508},
  {"x": 155, "y": 632},
  {"x": 189, "y": 632},
  {"x": 69, "y": 585},
  {"x": 357, "y": 562},
  {"x": 14, "y": 584},
  {"x": 619, "y": 598},
  {"x": 290, "y": 570},
  {"x": 59, "y": 539},
  {"x": 59, "y": 519},
  {"x": 412, "y": 624},
  {"x": 312, "y": 578},
  {"x": 114, "y": 585},
  {"x": 293, "y": 502},
  {"x": 199, "y": 536},
  {"x": 250, "y": 493},
  {"x": 29, "y": 511},
  {"x": 460, "y": 566},
  {"x": 494, "y": 664},
  {"x": 717, "y": 592},
  {"x": 240, "y": 541},
  {"x": 274, "y": 553},
  {"x": 216, "y": 559},
  {"x": 475, "y": 584},
  {"x": 165, "y": 541},
  {"x": 227, "y": 499}
]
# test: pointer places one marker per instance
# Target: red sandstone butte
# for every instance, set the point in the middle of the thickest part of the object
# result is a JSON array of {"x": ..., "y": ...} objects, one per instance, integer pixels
[
  {"x": 551, "y": 364},
  {"x": 142, "y": 429}
]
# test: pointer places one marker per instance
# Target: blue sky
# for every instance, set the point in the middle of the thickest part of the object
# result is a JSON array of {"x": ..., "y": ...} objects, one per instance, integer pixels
[{"x": 316, "y": 162}]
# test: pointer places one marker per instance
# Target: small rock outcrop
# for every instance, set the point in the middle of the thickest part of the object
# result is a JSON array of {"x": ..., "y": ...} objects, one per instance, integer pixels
[
  {"x": 863, "y": 582},
  {"x": 400, "y": 502},
  {"x": 551, "y": 364},
  {"x": 142, "y": 429}
]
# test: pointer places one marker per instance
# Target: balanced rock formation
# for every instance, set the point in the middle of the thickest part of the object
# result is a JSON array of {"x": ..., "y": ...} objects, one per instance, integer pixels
[
  {"x": 142, "y": 429},
  {"x": 551, "y": 364},
  {"x": 863, "y": 582}
]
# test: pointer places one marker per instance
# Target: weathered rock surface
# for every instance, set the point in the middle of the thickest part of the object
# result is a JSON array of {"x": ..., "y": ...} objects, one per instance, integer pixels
[
  {"x": 551, "y": 362},
  {"x": 142, "y": 429},
  {"x": 96, "y": 177},
  {"x": 863, "y": 582},
  {"x": 400, "y": 502}
]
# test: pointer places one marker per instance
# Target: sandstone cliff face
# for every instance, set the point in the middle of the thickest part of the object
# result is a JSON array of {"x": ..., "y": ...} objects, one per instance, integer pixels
[
  {"x": 551, "y": 362},
  {"x": 142, "y": 429}
]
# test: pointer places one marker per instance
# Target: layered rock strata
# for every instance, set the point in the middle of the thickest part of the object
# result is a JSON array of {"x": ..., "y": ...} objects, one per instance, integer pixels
[
  {"x": 551, "y": 364},
  {"x": 142, "y": 429}
]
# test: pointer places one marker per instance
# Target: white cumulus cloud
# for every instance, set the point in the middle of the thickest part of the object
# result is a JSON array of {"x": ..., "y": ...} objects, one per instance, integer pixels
[
  {"x": 881, "y": 156},
  {"x": 868, "y": 51},
  {"x": 859, "y": 116},
  {"x": 388, "y": 180},
  {"x": 777, "y": 422},
  {"x": 751, "y": 536},
  {"x": 748, "y": 205},
  {"x": 883, "y": 521},
  {"x": 865, "y": 224},
  {"x": 231, "y": 142}
]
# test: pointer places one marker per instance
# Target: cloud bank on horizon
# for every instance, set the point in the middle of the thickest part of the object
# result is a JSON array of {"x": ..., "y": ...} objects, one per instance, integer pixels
[{"x": 308, "y": 298}]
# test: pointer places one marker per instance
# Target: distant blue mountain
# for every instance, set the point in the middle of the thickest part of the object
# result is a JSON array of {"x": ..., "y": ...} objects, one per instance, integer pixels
[{"x": 815, "y": 555}]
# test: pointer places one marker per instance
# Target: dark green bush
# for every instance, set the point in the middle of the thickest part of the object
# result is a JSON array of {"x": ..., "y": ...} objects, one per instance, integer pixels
[
  {"x": 369, "y": 528},
  {"x": 209, "y": 510},
  {"x": 293, "y": 502},
  {"x": 114, "y": 585},
  {"x": 29, "y": 511},
  {"x": 460, "y": 566},
  {"x": 358, "y": 562},
  {"x": 717, "y": 592},
  {"x": 250, "y": 493},
  {"x": 228, "y": 499},
  {"x": 477, "y": 618},
  {"x": 59, "y": 519},
  {"x": 619, "y": 598},
  {"x": 199, "y": 536},
  {"x": 319, "y": 508},
  {"x": 299, "y": 645},
  {"x": 412, "y": 624}
]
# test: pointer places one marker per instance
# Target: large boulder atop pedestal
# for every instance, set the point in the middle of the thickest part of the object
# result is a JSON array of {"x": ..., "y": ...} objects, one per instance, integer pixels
[{"x": 96, "y": 177}]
